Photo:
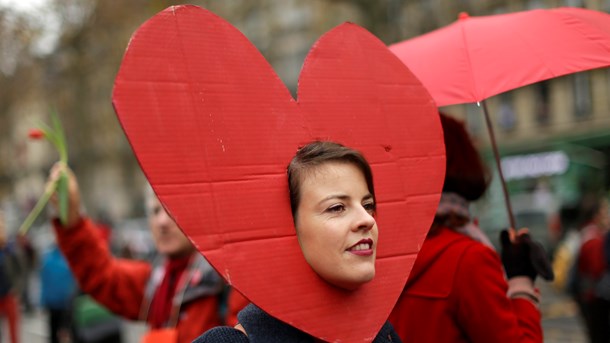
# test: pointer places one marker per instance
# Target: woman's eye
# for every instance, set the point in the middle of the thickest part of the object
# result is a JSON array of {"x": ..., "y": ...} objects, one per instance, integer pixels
[
  {"x": 370, "y": 207},
  {"x": 336, "y": 208}
]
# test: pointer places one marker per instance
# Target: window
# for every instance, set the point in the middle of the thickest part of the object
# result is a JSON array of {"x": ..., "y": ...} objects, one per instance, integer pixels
[
  {"x": 574, "y": 3},
  {"x": 535, "y": 4},
  {"x": 581, "y": 90},
  {"x": 474, "y": 119},
  {"x": 542, "y": 102},
  {"x": 507, "y": 118}
]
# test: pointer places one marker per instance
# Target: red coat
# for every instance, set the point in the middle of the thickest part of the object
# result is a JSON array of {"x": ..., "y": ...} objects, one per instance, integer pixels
[
  {"x": 235, "y": 304},
  {"x": 120, "y": 284},
  {"x": 591, "y": 262},
  {"x": 457, "y": 293}
]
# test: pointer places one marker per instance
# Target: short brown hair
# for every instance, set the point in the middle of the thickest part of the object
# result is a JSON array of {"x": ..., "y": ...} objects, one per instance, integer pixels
[{"x": 317, "y": 153}]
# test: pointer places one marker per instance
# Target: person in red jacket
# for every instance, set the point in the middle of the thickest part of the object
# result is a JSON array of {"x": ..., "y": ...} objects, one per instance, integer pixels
[
  {"x": 10, "y": 267},
  {"x": 590, "y": 267},
  {"x": 178, "y": 296},
  {"x": 457, "y": 290}
]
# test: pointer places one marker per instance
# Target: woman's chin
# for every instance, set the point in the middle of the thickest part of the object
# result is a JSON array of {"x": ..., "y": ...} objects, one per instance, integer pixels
[{"x": 355, "y": 283}]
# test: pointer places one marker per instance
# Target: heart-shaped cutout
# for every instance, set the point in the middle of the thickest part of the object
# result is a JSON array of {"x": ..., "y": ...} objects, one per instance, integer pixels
[{"x": 214, "y": 128}]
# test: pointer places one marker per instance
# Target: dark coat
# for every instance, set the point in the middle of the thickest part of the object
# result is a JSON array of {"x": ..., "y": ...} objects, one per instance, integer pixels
[{"x": 263, "y": 328}]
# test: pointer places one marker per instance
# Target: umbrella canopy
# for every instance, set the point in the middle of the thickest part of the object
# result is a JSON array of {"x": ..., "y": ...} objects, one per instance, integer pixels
[{"x": 478, "y": 57}]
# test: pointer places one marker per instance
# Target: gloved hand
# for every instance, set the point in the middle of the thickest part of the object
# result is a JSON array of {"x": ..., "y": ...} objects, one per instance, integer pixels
[{"x": 521, "y": 256}]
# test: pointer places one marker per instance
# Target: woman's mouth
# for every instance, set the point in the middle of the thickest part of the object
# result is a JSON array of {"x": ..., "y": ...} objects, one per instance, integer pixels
[{"x": 363, "y": 247}]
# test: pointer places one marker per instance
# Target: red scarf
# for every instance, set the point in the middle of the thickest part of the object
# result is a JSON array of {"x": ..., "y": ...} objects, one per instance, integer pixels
[{"x": 161, "y": 304}]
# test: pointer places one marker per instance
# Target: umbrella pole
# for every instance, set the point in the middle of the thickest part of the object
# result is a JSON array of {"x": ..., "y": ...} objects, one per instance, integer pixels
[{"x": 492, "y": 136}]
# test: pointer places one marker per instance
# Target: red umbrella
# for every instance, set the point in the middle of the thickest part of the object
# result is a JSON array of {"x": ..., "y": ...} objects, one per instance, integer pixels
[{"x": 478, "y": 57}]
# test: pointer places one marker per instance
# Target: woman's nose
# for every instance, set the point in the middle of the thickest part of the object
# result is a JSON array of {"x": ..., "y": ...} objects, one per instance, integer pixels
[{"x": 364, "y": 219}]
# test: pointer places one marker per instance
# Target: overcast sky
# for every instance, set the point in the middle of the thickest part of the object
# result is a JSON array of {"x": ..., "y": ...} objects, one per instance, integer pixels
[
  {"x": 38, "y": 15},
  {"x": 24, "y": 5}
]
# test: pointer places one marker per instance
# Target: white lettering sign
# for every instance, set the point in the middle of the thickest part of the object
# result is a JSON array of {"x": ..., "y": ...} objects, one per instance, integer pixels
[{"x": 535, "y": 165}]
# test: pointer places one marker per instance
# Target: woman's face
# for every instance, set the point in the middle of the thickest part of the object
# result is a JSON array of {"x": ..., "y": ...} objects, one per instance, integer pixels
[{"x": 335, "y": 224}]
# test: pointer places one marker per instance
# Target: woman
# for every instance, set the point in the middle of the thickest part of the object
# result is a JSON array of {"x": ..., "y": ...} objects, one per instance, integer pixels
[
  {"x": 333, "y": 207},
  {"x": 457, "y": 291}
]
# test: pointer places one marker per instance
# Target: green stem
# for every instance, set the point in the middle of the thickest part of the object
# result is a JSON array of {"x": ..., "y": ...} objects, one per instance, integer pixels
[
  {"x": 63, "y": 195},
  {"x": 55, "y": 135},
  {"x": 29, "y": 220},
  {"x": 61, "y": 138}
]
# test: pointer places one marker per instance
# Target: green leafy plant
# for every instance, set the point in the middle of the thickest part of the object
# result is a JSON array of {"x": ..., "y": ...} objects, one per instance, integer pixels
[{"x": 55, "y": 135}]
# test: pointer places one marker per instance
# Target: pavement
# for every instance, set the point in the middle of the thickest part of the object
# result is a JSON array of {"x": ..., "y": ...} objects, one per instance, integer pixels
[
  {"x": 560, "y": 318},
  {"x": 34, "y": 329},
  {"x": 561, "y": 323}
]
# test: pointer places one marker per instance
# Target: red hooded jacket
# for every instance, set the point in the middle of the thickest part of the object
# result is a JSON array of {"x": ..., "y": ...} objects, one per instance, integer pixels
[
  {"x": 457, "y": 293},
  {"x": 120, "y": 285}
]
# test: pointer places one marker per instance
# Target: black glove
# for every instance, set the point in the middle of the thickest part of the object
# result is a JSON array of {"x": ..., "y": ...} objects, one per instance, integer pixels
[{"x": 524, "y": 257}]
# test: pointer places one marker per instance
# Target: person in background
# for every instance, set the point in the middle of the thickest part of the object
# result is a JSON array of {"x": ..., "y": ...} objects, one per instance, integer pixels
[
  {"x": 92, "y": 322},
  {"x": 57, "y": 289},
  {"x": 566, "y": 251},
  {"x": 236, "y": 302},
  {"x": 602, "y": 291},
  {"x": 29, "y": 262},
  {"x": 10, "y": 269},
  {"x": 589, "y": 268},
  {"x": 457, "y": 290},
  {"x": 178, "y": 295}
]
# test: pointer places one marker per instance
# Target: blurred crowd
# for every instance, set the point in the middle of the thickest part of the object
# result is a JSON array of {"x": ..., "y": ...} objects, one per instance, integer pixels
[
  {"x": 582, "y": 263},
  {"x": 36, "y": 277}
]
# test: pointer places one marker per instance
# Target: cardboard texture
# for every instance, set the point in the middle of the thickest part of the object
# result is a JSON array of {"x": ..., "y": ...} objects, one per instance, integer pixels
[{"x": 213, "y": 128}]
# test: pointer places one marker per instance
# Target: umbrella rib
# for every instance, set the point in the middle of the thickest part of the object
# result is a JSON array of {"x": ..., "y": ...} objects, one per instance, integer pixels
[{"x": 467, "y": 51}]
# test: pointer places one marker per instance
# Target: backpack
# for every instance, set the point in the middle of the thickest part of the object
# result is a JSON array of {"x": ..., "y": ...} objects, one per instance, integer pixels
[
  {"x": 57, "y": 283},
  {"x": 92, "y": 322}
]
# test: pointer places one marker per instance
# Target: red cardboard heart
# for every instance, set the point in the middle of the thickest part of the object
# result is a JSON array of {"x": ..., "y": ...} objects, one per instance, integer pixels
[{"x": 214, "y": 128}]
